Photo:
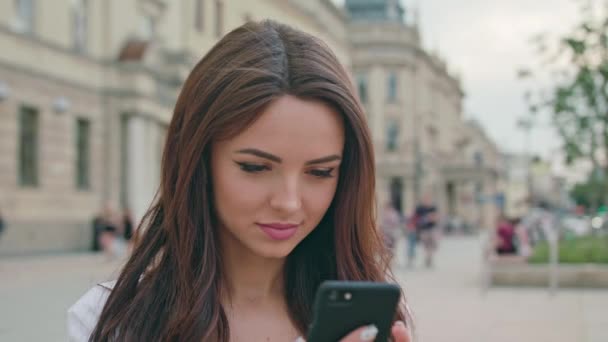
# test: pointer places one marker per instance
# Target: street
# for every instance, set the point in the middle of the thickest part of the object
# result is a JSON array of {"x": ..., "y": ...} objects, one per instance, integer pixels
[{"x": 448, "y": 304}]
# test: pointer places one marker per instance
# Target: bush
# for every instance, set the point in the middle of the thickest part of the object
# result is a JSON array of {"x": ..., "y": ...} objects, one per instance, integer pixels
[{"x": 579, "y": 250}]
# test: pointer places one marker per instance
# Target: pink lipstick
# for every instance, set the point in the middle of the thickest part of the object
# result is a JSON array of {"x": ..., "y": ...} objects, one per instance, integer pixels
[{"x": 279, "y": 231}]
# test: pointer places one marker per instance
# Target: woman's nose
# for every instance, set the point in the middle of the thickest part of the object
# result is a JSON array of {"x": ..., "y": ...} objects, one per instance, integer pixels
[{"x": 287, "y": 196}]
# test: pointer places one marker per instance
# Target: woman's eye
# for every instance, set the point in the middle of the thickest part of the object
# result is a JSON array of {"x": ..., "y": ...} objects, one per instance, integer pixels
[
  {"x": 322, "y": 173},
  {"x": 252, "y": 168}
]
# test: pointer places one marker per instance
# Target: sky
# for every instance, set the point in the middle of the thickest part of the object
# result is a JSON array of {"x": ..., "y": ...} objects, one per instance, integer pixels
[{"x": 487, "y": 42}]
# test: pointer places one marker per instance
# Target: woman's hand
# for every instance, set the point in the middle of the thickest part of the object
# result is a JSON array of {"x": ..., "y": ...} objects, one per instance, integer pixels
[{"x": 368, "y": 334}]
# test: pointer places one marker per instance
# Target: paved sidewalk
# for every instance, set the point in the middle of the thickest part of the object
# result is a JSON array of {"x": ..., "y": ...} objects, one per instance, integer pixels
[
  {"x": 449, "y": 305},
  {"x": 35, "y": 293},
  {"x": 447, "y": 301}
]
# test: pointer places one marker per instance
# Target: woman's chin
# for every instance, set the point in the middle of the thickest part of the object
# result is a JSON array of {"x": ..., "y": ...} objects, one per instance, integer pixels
[{"x": 275, "y": 252}]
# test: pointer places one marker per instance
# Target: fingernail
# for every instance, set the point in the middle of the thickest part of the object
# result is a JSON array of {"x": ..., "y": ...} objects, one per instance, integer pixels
[
  {"x": 300, "y": 339},
  {"x": 369, "y": 333},
  {"x": 400, "y": 323}
]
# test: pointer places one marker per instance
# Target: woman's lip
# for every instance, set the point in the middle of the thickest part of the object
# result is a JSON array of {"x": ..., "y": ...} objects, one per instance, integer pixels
[
  {"x": 283, "y": 233},
  {"x": 278, "y": 225}
]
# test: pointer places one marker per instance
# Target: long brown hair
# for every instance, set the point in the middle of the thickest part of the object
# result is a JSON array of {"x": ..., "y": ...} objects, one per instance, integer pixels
[{"x": 170, "y": 287}]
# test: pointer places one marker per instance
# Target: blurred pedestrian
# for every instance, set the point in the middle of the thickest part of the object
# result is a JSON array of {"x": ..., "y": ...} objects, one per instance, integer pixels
[
  {"x": 98, "y": 226},
  {"x": 127, "y": 221},
  {"x": 523, "y": 242},
  {"x": 128, "y": 227},
  {"x": 109, "y": 227},
  {"x": 426, "y": 222},
  {"x": 390, "y": 224},
  {"x": 505, "y": 237},
  {"x": 411, "y": 236}
]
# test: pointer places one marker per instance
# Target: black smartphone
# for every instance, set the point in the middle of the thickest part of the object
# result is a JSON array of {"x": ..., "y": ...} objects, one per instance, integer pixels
[{"x": 343, "y": 306}]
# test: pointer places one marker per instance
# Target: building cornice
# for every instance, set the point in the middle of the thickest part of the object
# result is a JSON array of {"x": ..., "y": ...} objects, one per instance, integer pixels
[
  {"x": 79, "y": 86},
  {"x": 340, "y": 12},
  {"x": 37, "y": 40},
  {"x": 440, "y": 70}
]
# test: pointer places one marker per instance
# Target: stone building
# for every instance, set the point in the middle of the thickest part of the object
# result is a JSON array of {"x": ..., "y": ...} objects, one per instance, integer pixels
[
  {"x": 424, "y": 146},
  {"x": 87, "y": 89}
]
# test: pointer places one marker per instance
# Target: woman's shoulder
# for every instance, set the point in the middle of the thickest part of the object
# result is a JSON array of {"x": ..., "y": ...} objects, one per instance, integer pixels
[{"x": 84, "y": 314}]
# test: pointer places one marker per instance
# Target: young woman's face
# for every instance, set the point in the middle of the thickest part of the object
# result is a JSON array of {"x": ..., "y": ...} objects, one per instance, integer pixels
[{"x": 274, "y": 181}]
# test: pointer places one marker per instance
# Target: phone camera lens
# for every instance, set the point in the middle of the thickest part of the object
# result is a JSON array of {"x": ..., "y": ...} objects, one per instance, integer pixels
[{"x": 333, "y": 295}]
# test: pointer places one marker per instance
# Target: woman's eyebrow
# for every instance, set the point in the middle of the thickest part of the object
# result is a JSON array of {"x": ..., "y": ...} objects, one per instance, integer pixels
[
  {"x": 271, "y": 157},
  {"x": 324, "y": 159},
  {"x": 261, "y": 154}
]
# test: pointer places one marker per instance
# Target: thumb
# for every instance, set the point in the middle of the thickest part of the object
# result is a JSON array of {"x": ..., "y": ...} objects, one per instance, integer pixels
[{"x": 363, "y": 334}]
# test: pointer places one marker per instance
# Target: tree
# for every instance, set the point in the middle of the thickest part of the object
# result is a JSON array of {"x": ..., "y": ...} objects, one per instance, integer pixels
[
  {"x": 589, "y": 194},
  {"x": 577, "y": 95}
]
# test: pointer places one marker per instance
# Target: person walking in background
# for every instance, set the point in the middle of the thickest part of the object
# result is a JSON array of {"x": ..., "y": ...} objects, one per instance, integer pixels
[
  {"x": 127, "y": 221},
  {"x": 523, "y": 242},
  {"x": 109, "y": 228},
  {"x": 426, "y": 221},
  {"x": 411, "y": 236},
  {"x": 505, "y": 236},
  {"x": 128, "y": 227},
  {"x": 391, "y": 220},
  {"x": 101, "y": 225}
]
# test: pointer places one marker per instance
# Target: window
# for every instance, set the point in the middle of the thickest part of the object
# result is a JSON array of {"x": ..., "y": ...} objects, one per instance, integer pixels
[
  {"x": 219, "y": 18},
  {"x": 199, "y": 22},
  {"x": 147, "y": 27},
  {"x": 362, "y": 87},
  {"x": 392, "y": 135},
  {"x": 83, "y": 144},
  {"x": 25, "y": 15},
  {"x": 392, "y": 87},
  {"x": 80, "y": 24},
  {"x": 478, "y": 158},
  {"x": 28, "y": 146}
]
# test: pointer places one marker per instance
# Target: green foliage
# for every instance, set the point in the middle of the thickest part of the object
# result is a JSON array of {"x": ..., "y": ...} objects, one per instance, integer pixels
[
  {"x": 577, "y": 97},
  {"x": 580, "y": 250},
  {"x": 590, "y": 193}
]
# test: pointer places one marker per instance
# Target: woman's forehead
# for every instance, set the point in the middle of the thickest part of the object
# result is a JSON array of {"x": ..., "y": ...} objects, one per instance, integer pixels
[{"x": 294, "y": 126}]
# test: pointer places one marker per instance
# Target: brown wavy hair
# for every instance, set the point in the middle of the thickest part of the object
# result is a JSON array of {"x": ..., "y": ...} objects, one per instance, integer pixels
[{"x": 170, "y": 287}]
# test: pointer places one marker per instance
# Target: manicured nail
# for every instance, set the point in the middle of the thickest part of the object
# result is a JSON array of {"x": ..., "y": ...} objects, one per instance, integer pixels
[
  {"x": 300, "y": 339},
  {"x": 369, "y": 333},
  {"x": 400, "y": 323}
]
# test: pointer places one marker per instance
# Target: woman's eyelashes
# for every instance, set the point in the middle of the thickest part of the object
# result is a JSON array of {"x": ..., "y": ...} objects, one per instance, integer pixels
[
  {"x": 322, "y": 173},
  {"x": 252, "y": 168},
  {"x": 257, "y": 168}
]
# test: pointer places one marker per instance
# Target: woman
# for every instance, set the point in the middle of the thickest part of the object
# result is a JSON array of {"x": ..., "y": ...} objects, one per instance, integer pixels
[
  {"x": 266, "y": 191},
  {"x": 390, "y": 225},
  {"x": 505, "y": 236}
]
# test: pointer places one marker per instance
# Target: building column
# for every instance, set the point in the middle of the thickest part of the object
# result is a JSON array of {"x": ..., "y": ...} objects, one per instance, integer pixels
[{"x": 140, "y": 171}]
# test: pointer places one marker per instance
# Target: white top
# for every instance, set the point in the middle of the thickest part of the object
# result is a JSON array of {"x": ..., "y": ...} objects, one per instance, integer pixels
[{"x": 84, "y": 314}]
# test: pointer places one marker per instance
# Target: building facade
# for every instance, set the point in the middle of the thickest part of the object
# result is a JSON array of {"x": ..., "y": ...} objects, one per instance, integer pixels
[
  {"x": 87, "y": 89},
  {"x": 424, "y": 147}
]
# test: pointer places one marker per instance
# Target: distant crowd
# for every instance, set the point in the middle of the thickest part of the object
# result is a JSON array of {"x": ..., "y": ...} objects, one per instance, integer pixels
[
  {"x": 419, "y": 227},
  {"x": 112, "y": 231}
]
